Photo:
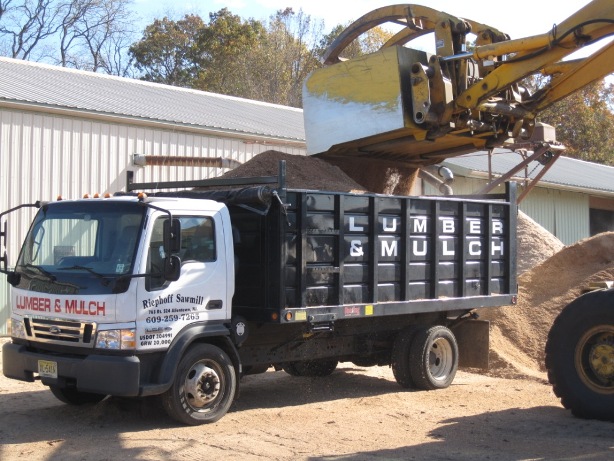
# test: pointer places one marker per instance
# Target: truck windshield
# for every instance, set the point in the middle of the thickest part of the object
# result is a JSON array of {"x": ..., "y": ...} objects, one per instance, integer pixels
[{"x": 80, "y": 246}]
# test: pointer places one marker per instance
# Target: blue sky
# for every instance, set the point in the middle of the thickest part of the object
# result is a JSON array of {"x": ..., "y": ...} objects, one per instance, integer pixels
[{"x": 518, "y": 18}]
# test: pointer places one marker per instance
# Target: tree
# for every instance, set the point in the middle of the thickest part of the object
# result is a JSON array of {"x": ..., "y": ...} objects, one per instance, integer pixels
[
  {"x": 192, "y": 53},
  {"x": 25, "y": 25},
  {"x": 584, "y": 123},
  {"x": 93, "y": 33},
  {"x": 285, "y": 55},
  {"x": 224, "y": 45},
  {"x": 245, "y": 58},
  {"x": 369, "y": 42},
  {"x": 84, "y": 34},
  {"x": 169, "y": 51}
]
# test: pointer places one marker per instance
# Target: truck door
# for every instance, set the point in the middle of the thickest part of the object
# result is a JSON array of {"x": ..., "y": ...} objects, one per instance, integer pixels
[{"x": 199, "y": 294}]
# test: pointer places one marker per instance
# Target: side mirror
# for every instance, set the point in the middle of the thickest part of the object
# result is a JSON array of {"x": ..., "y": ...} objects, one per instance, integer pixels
[
  {"x": 4, "y": 261},
  {"x": 172, "y": 236},
  {"x": 172, "y": 268},
  {"x": 13, "y": 278}
]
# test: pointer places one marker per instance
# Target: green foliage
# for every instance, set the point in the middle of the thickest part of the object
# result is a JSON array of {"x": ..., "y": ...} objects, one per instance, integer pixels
[
  {"x": 168, "y": 52},
  {"x": 584, "y": 123},
  {"x": 245, "y": 58},
  {"x": 223, "y": 45},
  {"x": 284, "y": 57},
  {"x": 229, "y": 55},
  {"x": 369, "y": 42}
]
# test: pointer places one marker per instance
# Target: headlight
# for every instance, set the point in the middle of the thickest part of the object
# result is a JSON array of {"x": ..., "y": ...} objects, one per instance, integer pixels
[
  {"x": 116, "y": 339},
  {"x": 18, "y": 329}
]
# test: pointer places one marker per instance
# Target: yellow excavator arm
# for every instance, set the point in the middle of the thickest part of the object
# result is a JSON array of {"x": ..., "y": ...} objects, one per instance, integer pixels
[{"x": 406, "y": 105}]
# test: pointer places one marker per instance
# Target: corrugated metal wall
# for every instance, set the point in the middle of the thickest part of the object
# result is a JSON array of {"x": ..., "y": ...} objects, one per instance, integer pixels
[
  {"x": 564, "y": 214},
  {"x": 44, "y": 155}
]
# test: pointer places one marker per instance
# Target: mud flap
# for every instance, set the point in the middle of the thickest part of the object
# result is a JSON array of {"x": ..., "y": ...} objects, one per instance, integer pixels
[{"x": 473, "y": 339}]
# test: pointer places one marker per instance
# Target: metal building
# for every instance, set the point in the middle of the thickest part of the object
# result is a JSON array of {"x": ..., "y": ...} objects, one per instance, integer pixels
[
  {"x": 574, "y": 200},
  {"x": 68, "y": 132}
]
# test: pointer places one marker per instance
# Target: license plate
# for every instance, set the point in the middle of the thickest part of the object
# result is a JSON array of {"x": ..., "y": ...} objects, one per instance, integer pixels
[{"x": 47, "y": 369}]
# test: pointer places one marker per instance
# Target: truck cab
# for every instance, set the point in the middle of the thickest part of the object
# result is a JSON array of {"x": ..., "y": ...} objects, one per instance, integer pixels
[{"x": 93, "y": 297}]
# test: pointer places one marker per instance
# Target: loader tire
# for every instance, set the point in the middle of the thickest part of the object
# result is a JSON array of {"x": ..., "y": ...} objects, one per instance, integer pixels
[{"x": 580, "y": 356}]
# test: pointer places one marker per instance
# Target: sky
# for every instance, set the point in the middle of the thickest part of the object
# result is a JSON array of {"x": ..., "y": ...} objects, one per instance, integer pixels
[{"x": 518, "y": 18}]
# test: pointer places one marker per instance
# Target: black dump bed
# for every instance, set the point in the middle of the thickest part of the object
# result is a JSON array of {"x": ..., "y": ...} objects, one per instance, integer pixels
[
  {"x": 324, "y": 256},
  {"x": 313, "y": 256}
]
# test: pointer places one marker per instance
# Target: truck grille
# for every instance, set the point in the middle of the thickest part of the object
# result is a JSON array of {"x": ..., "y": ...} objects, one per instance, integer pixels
[{"x": 60, "y": 331}]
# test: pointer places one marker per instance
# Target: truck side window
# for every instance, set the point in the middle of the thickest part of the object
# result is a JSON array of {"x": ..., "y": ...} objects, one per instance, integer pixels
[
  {"x": 197, "y": 245},
  {"x": 198, "y": 239}
]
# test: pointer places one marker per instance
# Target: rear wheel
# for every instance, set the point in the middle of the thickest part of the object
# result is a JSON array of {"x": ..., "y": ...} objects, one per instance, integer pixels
[
  {"x": 204, "y": 386},
  {"x": 400, "y": 357},
  {"x": 75, "y": 397},
  {"x": 580, "y": 356},
  {"x": 311, "y": 368},
  {"x": 433, "y": 358}
]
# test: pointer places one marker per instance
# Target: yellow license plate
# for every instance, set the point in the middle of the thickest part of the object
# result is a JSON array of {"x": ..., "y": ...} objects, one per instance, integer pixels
[{"x": 47, "y": 369}]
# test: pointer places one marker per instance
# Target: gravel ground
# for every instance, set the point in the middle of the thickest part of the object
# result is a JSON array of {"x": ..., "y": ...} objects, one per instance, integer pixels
[{"x": 354, "y": 414}]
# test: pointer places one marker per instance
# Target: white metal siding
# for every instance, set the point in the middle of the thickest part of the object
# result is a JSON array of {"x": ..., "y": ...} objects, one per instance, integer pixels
[
  {"x": 463, "y": 186},
  {"x": 45, "y": 155},
  {"x": 564, "y": 214}
]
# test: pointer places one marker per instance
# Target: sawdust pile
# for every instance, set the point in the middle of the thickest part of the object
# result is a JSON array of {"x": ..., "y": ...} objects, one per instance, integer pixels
[
  {"x": 376, "y": 175},
  {"x": 551, "y": 275},
  {"x": 341, "y": 175},
  {"x": 518, "y": 334},
  {"x": 535, "y": 243},
  {"x": 302, "y": 172}
]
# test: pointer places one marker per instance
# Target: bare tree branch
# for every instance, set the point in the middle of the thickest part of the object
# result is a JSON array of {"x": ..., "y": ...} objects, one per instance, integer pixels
[{"x": 84, "y": 34}]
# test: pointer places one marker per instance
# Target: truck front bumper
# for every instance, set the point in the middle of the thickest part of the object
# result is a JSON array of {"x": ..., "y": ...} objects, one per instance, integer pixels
[{"x": 100, "y": 374}]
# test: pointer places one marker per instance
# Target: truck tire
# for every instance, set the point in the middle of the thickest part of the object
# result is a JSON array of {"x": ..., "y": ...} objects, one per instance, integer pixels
[
  {"x": 399, "y": 360},
  {"x": 203, "y": 388},
  {"x": 433, "y": 358},
  {"x": 580, "y": 356},
  {"x": 75, "y": 397},
  {"x": 311, "y": 368}
]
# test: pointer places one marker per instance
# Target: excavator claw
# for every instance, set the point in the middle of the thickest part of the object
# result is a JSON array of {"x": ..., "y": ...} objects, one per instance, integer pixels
[{"x": 405, "y": 105}]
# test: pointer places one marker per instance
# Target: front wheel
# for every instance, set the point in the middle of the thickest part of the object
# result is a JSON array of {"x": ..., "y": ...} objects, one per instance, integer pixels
[
  {"x": 580, "y": 356},
  {"x": 204, "y": 386},
  {"x": 75, "y": 397}
]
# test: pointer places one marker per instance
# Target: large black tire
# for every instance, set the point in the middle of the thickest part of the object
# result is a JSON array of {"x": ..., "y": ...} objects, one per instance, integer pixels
[
  {"x": 311, "y": 368},
  {"x": 75, "y": 397},
  {"x": 399, "y": 360},
  {"x": 203, "y": 388},
  {"x": 580, "y": 356},
  {"x": 433, "y": 358}
]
